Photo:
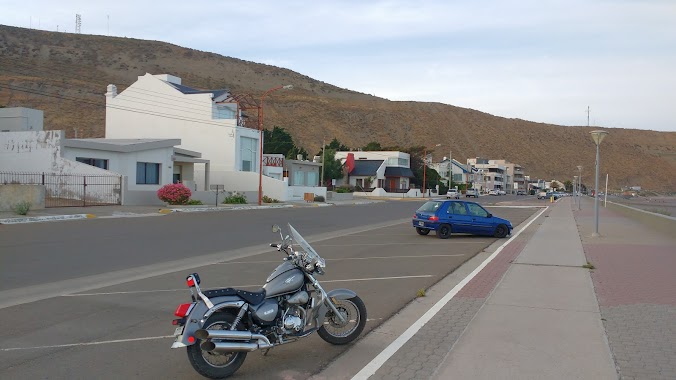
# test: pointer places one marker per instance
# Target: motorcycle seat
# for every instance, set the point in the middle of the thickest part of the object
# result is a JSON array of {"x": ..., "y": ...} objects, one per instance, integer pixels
[{"x": 253, "y": 298}]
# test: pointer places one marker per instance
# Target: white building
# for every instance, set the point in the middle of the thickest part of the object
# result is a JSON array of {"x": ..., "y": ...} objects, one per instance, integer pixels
[
  {"x": 206, "y": 121},
  {"x": 462, "y": 174},
  {"x": 493, "y": 176},
  {"x": 386, "y": 170},
  {"x": 17, "y": 119}
]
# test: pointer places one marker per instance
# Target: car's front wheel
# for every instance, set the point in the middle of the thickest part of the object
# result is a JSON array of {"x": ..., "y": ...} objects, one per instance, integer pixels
[
  {"x": 422, "y": 231},
  {"x": 444, "y": 231},
  {"x": 501, "y": 231}
]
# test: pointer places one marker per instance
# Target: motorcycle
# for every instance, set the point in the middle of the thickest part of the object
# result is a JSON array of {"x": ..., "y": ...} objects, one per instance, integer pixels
[{"x": 219, "y": 327}]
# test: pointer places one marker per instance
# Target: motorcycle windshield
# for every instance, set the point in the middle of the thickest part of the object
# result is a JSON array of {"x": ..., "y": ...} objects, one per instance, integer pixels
[{"x": 312, "y": 255}]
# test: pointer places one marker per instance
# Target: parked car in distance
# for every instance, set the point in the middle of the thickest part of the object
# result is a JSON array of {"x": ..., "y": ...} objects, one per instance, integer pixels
[
  {"x": 493, "y": 192},
  {"x": 472, "y": 193},
  {"x": 452, "y": 193},
  {"x": 521, "y": 192},
  {"x": 502, "y": 192},
  {"x": 451, "y": 216},
  {"x": 542, "y": 195}
]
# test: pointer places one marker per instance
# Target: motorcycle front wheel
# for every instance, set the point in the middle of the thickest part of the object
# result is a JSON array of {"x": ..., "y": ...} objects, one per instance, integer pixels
[
  {"x": 336, "y": 332},
  {"x": 215, "y": 365}
]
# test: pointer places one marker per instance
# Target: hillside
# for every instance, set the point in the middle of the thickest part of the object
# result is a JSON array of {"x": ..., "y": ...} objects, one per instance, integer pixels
[{"x": 66, "y": 76}]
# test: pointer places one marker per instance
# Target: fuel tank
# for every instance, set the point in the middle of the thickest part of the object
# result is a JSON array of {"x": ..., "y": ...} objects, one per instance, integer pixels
[{"x": 287, "y": 278}]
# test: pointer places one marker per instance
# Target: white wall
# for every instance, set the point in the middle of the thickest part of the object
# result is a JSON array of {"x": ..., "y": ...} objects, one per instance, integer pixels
[
  {"x": 246, "y": 181},
  {"x": 17, "y": 119},
  {"x": 37, "y": 152},
  {"x": 125, "y": 163},
  {"x": 150, "y": 108}
]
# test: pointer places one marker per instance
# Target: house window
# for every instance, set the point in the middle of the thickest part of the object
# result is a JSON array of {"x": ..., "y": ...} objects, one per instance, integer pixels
[
  {"x": 248, "y": 150},
  {"x": 298, "y": 178},
  {"x": 381, "y": 183},
  {"x": 312, "y": 179},
  {"x": 360, "y": 182},
  {"x": 224, "y": 112},
  {"x": 98, "y": 162},
  {"x": 147, "y": 173}
]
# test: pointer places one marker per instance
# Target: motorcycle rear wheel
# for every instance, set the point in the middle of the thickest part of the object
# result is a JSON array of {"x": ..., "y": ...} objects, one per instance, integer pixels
[
  {"x": 215, "y": 365},
  {"x": 336, "y": 332}
]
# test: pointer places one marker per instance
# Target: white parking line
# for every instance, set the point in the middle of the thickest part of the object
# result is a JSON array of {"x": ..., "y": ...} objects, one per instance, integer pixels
[
  {"x": 349, "y": 258},
  {"x": 110, "y": 341},
  {"x": 390, "y": 350},
  {"x": 241, "y": 286}
]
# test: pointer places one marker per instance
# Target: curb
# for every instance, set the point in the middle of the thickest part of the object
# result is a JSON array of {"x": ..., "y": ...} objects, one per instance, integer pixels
[{"x": 50, "y": 218}]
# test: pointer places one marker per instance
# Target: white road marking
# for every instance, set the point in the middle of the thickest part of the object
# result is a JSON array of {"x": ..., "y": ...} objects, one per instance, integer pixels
[
  {"x": 348, "y": 258},
  {"x": 240, "y": 286},
  {"x": 390, "y": 350},
  {"x": 87, "y": 343}
]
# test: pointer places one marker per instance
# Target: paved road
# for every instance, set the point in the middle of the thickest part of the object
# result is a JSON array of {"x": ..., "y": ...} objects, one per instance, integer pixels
[{"x": 382, "y": 259}]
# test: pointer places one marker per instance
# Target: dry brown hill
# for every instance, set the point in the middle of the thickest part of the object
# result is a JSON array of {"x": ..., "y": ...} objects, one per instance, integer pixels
[{"x": 66, "y": 76}]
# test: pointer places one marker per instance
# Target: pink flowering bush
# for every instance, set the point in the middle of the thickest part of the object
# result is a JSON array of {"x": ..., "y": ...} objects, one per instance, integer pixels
[{"x": 174, "y": 194}]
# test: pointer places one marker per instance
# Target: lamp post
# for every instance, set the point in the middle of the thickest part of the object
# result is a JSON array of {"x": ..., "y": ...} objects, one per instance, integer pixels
[
  {"x": 425, "y": 168},
  {"x": 574, "y": 189},
  {"x": 260, "y": 131},
  {"x": 597, "y": 136},
  {"x": 579, "y": 188}
]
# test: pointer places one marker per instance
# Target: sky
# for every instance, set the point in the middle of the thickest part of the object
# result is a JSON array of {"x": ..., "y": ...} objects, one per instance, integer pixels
[{"x": 539, "y": 60}]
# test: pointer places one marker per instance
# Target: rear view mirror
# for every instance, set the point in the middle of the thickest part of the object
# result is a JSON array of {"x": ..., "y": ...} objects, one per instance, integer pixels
[
  {"x": 275, "y": 228},
  {"x": 489, "y": 215}
]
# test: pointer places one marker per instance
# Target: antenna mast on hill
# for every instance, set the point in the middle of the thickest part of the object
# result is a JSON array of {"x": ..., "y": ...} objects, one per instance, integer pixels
[
  {"x": 588, "y": 110},
  {"x": 78, "y": 23}
]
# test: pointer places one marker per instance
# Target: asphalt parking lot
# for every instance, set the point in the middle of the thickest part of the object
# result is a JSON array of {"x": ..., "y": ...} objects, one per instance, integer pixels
[{"x": 124, "y": 331}]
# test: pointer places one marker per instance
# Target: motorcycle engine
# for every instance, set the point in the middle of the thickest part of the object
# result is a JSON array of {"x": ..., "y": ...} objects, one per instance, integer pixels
[{"x": 294, "y": 319}]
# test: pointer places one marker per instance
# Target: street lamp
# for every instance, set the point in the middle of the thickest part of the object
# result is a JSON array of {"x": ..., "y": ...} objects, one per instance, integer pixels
[
  {"x": 425, "y": 167},
  {"x": 260, "y": 131},
  {"x": 597, "y": 136},
  {"x": 579, "y": 189},
  {"x": 575, "y": 187}
]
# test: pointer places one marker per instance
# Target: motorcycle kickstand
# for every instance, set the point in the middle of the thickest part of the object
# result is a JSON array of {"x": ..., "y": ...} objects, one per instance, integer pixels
[{"x": 265, "y": 351}]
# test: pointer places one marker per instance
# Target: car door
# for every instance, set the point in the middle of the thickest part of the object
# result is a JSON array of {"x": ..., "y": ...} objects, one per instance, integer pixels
[
  {"x": 480, "y": 223},
  {"x": 458, "y": 217}
]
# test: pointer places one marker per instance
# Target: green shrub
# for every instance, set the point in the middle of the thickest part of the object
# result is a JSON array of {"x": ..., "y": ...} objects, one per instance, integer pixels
[
  {"x": 22, "y": 207},
  {"x": 267, "y": 199},
  {"x": 319, "y": 198},
  {"x": 195, "y": 202},
  {"x": 345, "y": 189},
  {"x": 235, "y": 199}
]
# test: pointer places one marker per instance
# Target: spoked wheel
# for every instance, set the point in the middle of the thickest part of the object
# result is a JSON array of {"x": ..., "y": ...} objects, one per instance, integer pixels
[
  {"x": 336, "y": 331},
  {"x": 422, "y": 231},
  {"x": 501, "y": 231},
  {"x": 211, "y": 364}
]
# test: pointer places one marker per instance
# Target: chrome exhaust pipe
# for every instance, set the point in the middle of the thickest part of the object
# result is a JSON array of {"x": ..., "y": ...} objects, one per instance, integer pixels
[
  {"x": 225, "y": 334},
  {"x": 229, "y": 346}
]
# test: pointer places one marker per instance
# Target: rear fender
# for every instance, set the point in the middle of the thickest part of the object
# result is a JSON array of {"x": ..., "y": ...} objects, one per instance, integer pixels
[
  {"x": 200, "y": 313},
  {"x": 340, "y": 294}
]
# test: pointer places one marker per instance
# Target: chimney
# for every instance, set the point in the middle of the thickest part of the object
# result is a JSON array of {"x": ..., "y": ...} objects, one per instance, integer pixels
[{"x": 111, "y": 91}]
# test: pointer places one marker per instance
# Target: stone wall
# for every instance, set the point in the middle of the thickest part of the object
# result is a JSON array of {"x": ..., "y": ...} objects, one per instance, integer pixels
[{"x": 11, "y": 194}]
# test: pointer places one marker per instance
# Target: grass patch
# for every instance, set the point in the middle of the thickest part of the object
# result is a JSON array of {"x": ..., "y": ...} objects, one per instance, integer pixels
[
  {"x": 235, "y": 199},
  {"x": 589, "y": 266},
  {"x": 420, "y": 293},
  {"x": 22, "y": 207}
]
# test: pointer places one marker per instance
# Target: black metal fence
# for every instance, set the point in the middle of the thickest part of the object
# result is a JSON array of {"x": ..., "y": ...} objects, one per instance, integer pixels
[{"x": 71, "y": 190}]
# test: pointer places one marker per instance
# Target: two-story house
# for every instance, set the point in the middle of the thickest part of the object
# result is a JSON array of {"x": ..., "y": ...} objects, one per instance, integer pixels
[
  {"x": 205, "y": 121},
  {"x": 380, "y": 171}
]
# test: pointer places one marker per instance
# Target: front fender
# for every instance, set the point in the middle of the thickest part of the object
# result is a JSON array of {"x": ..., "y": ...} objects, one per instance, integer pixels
[
  {"x": 341, "y": 294},
  {"x": 193, "y": 322}
]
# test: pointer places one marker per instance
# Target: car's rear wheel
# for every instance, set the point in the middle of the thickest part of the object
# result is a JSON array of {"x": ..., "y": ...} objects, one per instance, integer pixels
[
  {"x": 444, "y": 231},
  {"x": 501, "y": 231},
  {"x": 422, "y": 231}
]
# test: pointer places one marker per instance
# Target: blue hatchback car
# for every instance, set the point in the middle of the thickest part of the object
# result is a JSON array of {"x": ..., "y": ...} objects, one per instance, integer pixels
[{"x": 454, "y": 216}]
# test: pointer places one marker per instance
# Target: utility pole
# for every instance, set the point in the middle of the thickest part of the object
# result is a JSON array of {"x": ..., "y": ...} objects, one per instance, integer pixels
[
  {"x": 588, "y": 110},
  {"x": 450, "y": 168},
  {"x": 323, "y": 159}
]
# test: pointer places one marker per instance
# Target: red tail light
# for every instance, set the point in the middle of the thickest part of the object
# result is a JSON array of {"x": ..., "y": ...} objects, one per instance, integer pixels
[
  {"x": 415, "y": 216},
  {"x": 190, "y": 282},
  {"x": 434, "y": 218},
  {"x": 183, "y": 310}
]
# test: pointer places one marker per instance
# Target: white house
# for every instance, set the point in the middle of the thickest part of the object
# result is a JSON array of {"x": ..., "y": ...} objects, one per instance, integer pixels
[
  {"x": 462, "y": 174},
  {"x": 379, "y": 173},
  {"x": 206, "y": 121},
  {"x": 16, "y": 119}
]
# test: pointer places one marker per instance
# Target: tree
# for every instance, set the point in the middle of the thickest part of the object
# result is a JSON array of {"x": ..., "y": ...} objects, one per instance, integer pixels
[
  {"x": 569, "y": 185},
  {"x": 279, "y": 141},
  {"x": 337, "y": 145},
  {"x": 372, "y": 146},
  {"x": 332, "y": 167}
]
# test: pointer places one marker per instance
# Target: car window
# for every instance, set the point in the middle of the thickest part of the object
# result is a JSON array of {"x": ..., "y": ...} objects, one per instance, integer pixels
[
  {"x": 430, "y": 207},
  {"x": 458, "y": 208},
  {"x": 476, "y": 210}
]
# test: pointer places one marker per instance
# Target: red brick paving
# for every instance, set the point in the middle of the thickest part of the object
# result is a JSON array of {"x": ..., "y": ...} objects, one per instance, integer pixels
[
  {"x": 484, "y": 282},
  {"x": 628, "y": 274}
]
